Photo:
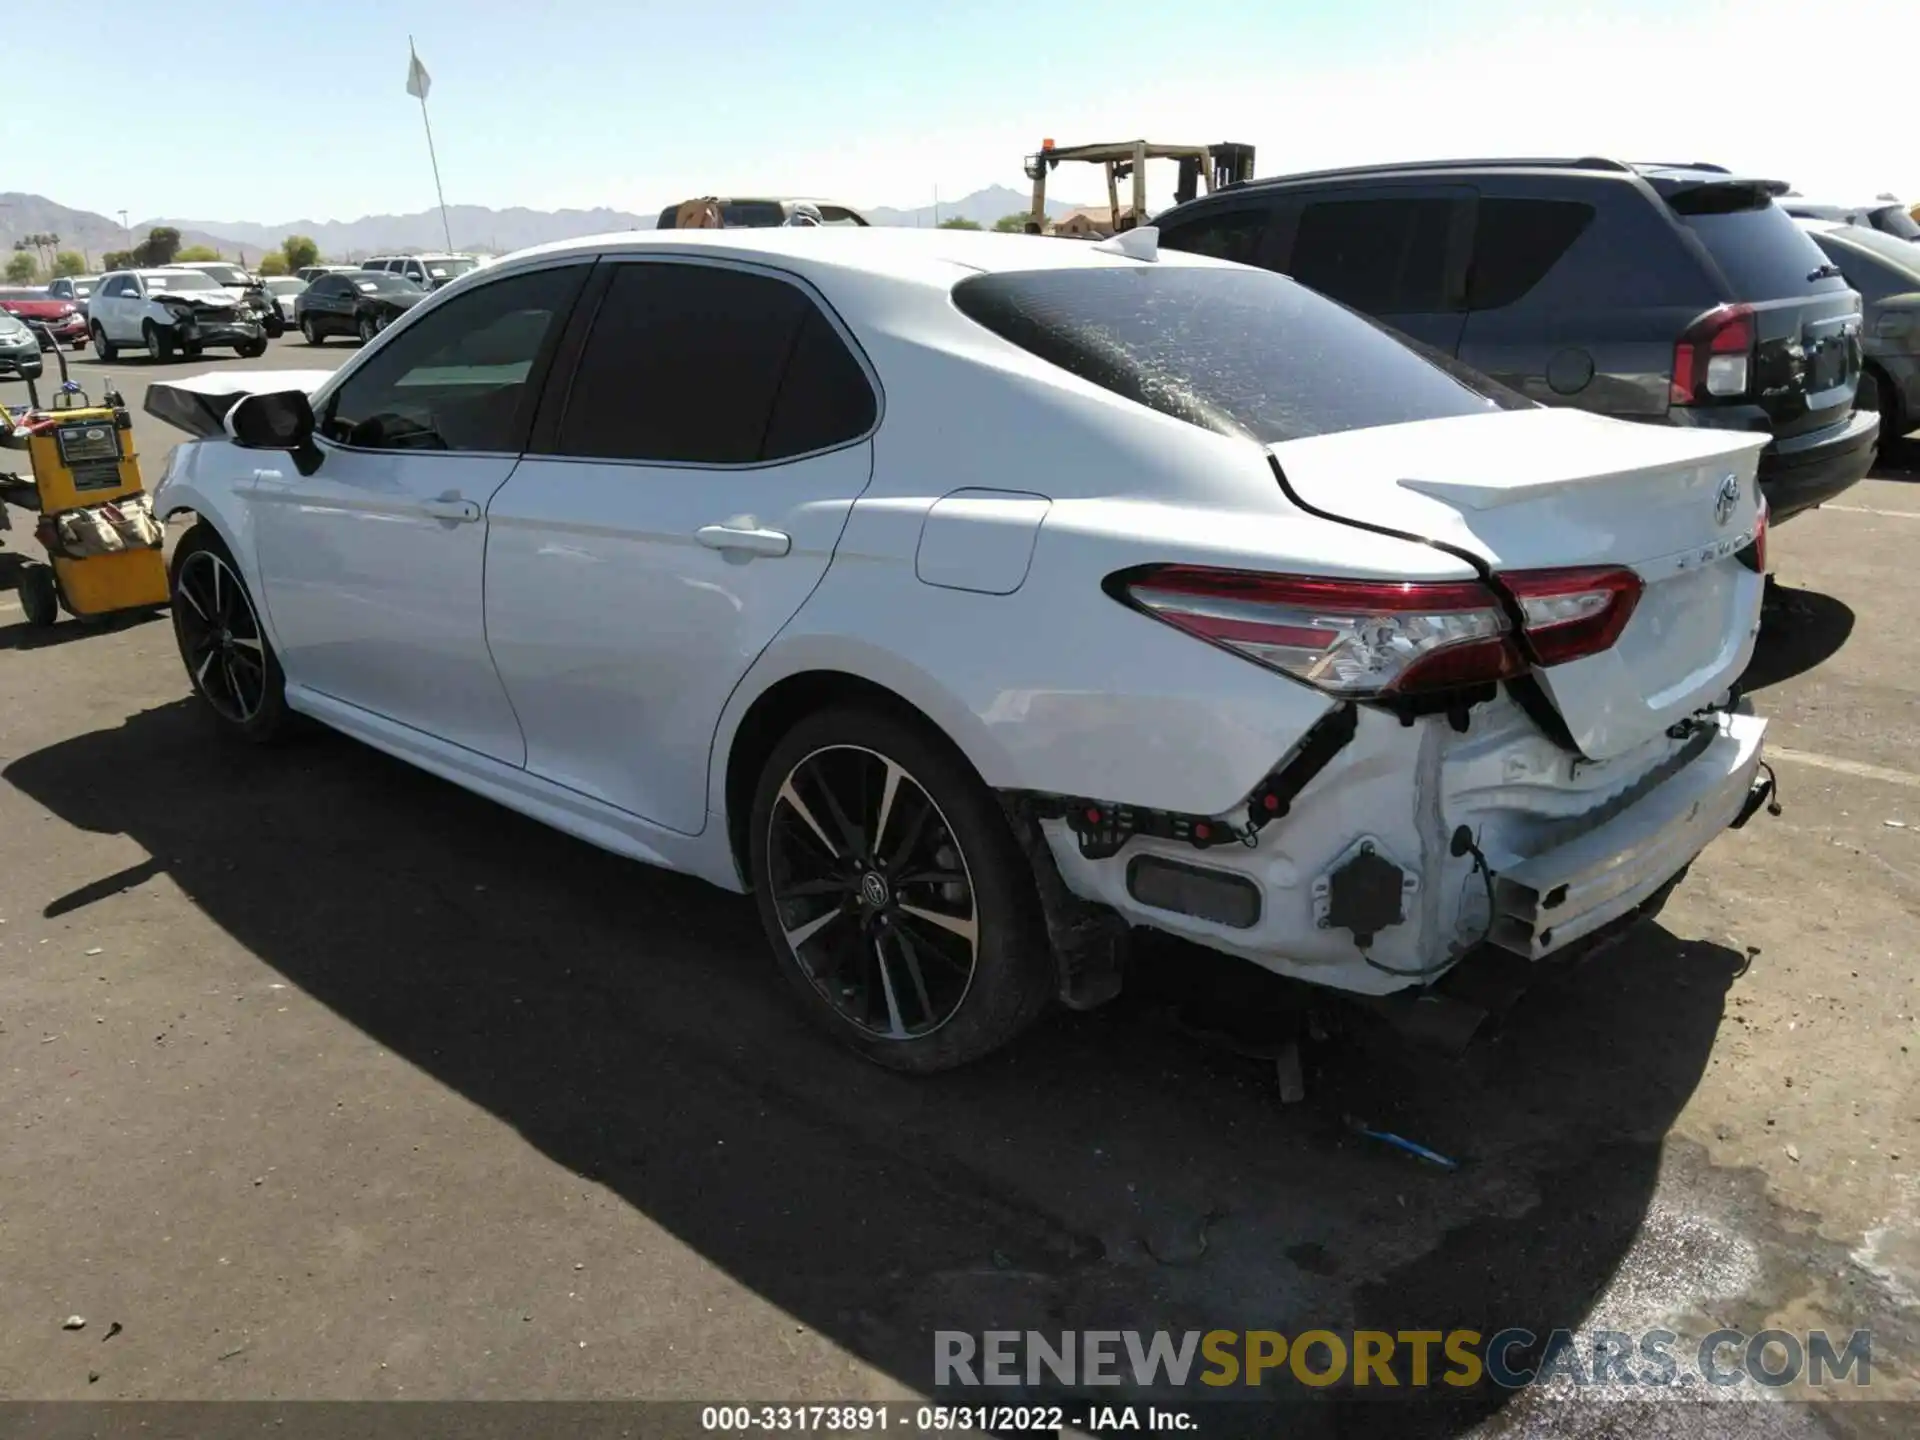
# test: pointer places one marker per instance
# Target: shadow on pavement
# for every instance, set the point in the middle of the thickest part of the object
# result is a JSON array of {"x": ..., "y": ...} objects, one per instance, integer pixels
[
  {"x": 1899, "y": 460},
  {"x": 1105, "y": 1172},
  {"x": 1799, "y": 629}
]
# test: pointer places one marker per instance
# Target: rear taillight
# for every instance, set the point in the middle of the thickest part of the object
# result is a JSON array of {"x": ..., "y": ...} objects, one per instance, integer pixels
[
  {"x": 1754, "y": 557},
  {"x": 1573, "y": 613},
  {"x": 1356, "y": 638},
  {"x": 1713, "y": 358}
]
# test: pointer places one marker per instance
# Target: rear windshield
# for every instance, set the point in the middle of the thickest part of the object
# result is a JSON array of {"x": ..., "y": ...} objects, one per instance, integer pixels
[
  {"x": 1763, "y": 254},
  {"x": 1237, "y": 351},
  {"x": 1895, "y": 221},
  {"x": 753, "y": 214}
]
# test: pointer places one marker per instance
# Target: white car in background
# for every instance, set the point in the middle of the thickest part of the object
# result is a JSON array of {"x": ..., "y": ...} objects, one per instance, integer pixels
[
  {"x": 970, "y": 601},
  {"x": 283, "y": 290},
  {"x": 170, "y": 308}
]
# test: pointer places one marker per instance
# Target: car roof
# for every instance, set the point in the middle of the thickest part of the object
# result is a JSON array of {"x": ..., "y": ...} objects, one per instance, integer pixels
[
  {"x": 1667, "y": 171},
  {"x": 932, "y": 257}
]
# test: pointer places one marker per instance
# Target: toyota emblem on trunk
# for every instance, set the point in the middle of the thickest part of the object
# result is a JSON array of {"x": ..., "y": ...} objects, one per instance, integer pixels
[{"x": 1726, "y": 499}]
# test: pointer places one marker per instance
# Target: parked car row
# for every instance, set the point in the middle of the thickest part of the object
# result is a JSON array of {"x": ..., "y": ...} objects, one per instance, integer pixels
[{"x": 1681, "y": 295}]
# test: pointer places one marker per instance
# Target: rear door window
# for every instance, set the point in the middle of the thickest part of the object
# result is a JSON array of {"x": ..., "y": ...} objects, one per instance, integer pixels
[
  {"x": 1516, "y": 242},
  {"x": 710, "y": 365},
  {"x": 1238, "y": 351},
  {"x": 1384, "y": 256}
]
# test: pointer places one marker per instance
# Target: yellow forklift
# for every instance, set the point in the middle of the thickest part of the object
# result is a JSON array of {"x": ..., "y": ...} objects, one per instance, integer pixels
[
  {"x": 1208, "y": 166},
  {"x": 96, "y": 525}
]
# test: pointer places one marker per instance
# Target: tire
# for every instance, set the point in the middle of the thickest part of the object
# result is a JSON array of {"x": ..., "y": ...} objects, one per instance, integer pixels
[
  {"x": 104, "y": 347},
  {"x": 252, "y": 350},
  {"x": 158, "y": 342},
  {"x": 870, "y": 963},
  {"x": 39, "y": 595},
  {"x": 310, "y": 331},
  {"x": 275, "y": 327},
  {"x": 190, "y": 351},
  {"x": 230, "y": 662},
  {"x": 368, "y": 329},
  {"x": 1878, "y": 395}
]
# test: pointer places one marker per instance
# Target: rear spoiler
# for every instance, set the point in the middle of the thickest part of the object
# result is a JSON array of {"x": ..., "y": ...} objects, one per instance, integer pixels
[{"x": 198, "y": 404}]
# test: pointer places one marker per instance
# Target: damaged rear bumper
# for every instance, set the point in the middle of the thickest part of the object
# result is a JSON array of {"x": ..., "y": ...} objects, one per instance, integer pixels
[{"x": 1547, "y": 902}]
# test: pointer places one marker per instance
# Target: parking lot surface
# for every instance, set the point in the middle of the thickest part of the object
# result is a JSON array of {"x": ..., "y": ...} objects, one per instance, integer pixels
[{"x": 327, "y": 1079}]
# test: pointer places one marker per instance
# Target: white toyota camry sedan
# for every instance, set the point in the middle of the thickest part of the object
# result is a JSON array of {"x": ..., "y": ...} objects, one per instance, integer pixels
[{"x": 972, "y": 600}]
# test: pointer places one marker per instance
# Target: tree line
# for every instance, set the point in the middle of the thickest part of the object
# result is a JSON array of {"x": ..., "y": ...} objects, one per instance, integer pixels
[{"x": 37, "y": 257}]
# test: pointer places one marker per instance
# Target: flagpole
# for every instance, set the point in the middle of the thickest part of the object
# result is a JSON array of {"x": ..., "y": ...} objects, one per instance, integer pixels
[{"x": 445, "y": 227}]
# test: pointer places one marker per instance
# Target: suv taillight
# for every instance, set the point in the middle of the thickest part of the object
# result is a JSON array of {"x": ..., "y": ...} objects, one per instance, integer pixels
[
  {"x": 1713, "y": 358},
  {"x": 1357, "y": 638},
  {"x": 1369, "y": 638}
]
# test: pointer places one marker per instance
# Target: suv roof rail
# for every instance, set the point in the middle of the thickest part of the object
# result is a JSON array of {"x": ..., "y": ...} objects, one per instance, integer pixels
[
  {"x": 1505, "y": 162},
  {"x": 1681, "y": 165}
]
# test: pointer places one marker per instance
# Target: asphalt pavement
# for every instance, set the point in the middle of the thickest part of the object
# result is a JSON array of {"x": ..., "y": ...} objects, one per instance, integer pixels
[{"x": 326, "y": 1079}]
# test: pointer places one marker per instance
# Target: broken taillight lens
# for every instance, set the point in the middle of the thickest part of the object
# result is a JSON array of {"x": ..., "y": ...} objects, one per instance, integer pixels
[
  {"x": 1357, "y": 638},
  {"x": 1754, "y": 557},
  {"x": 1570, "y": 614}
]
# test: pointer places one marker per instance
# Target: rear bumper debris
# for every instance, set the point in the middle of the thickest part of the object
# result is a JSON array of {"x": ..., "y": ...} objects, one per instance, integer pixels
[{"x": 1546, "y": 903}]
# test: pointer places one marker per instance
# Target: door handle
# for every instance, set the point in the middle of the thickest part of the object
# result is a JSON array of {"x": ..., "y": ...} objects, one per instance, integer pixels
[
  {"x": 448, "y": 507},
  {"x": 267, "y": 477},
  {"x": 748, "y": 540}
]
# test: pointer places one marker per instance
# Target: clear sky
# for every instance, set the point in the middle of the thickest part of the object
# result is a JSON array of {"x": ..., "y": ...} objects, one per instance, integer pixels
[{"x": 276, "y": 112}]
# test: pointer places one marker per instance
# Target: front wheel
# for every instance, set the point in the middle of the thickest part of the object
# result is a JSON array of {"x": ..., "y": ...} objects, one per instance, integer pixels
[
  {"x": 368, "y": 329},
  {"x": 229, "y": 660},
  {"x": 274, "y": 327},
  {"x": 104, "y": 347},
  {"x": 894, "y": 894},
  {"x": 311, "y": 331},
  {"x": 159, "y": 342},
  {"x": 251, "y": 349}
]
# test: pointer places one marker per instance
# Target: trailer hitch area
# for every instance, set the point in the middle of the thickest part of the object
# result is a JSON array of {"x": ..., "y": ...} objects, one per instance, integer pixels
[{"x": 1765, "y": 791}]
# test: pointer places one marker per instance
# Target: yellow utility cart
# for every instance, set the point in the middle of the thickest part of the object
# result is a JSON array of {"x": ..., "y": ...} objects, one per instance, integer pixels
[{"x": 96, "y": 523}]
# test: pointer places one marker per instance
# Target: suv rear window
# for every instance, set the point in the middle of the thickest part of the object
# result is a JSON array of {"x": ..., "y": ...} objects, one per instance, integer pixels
[
  {"x": 1893, "y": 220},
  {"x": 1763, "y": 254},
  {"x": 1236, "y": 351}
]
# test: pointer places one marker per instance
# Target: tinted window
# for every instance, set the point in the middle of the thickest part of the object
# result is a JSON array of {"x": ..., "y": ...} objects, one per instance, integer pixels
[
  {"x": 1240, "y": 352},
  {"x": 1387, "y": 257},
  {"x": 1873, "y": 277},
  {"x": 824, "y": 398},
  {"x": 1515, "y": 244},
  {"x": 458, "y": 378},
  {"x": 1234, "y": 235},
  {"x": 1759, "y": 249},
  {"x": 1894, "y": 221},
  {"x": 683, "y": 364},
  {"x": 757, "y": 214}
]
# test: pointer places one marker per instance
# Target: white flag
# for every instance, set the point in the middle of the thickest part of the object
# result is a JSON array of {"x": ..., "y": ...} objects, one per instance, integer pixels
[{"x": 418, "y": 81}]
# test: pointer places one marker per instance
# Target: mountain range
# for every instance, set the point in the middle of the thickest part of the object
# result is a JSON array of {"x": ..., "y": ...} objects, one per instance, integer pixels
[{"x": 475, "y": 227}]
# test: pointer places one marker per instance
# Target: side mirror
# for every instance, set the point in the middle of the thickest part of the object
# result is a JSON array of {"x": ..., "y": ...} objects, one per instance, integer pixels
[{"x": 277, "y": 420}]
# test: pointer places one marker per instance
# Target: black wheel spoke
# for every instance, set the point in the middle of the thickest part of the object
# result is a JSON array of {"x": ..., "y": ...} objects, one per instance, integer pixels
[
  {"x": 895, "y": 949},
  {"x": 220, "y": 637}
]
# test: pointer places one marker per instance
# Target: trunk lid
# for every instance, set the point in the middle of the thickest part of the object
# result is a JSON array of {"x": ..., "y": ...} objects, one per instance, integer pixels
[{"x": 1552, "y": 488}]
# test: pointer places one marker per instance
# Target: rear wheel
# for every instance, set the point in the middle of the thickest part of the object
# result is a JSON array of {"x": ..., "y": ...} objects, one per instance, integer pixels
[
  {"x": 104, "y": 347},
  {"x": 251, "y": 350},
  {"x": 1879, "y": 396},
  {"x": 39, "y": 595},
  {"x": 158, "y": 342},
  {"x": 229, "y": 661},
  {"x": 311, "y": 331},
  {"x": 894, "y": 894}
]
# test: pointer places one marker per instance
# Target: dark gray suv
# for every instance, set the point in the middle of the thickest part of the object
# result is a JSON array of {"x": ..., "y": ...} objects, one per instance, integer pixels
[{"x": 1679, "y": 294}]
